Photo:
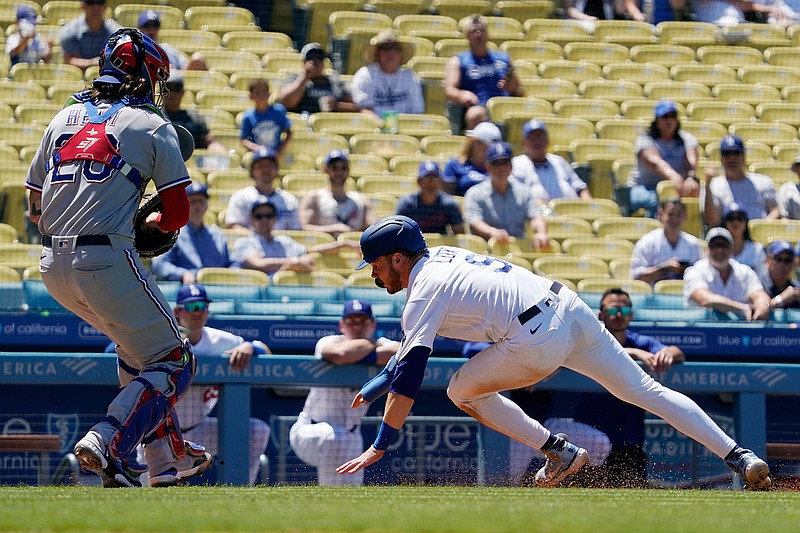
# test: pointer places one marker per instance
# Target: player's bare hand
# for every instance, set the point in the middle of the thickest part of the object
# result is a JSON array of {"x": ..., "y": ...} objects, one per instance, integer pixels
[
  {"x": 362, "y": 461},
  {"x": 358, "y": 400},
  {"x": 151, "y": 222},
  {"x": 240, "y": 356},
  {"x": 662, "y": 360}
]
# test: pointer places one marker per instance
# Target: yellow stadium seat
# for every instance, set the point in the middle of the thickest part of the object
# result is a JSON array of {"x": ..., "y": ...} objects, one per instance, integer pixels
[
  {"x": 709, "y": 74},
  {"x": 427, "y": 64},
  {"x": 442, "y": 145},
  {"x": 625, "y": 32},
  {"x": 622, "y": 129},
  {"x": 668, "y": 286},
  {"x": 764, "y": 132},
  {"x": 563, "y": 227},
  {"x": 6, "y": 111},
  {"x": 259, "y": 42},
  {"x": 794, "y": 33},
  {"x": 605, "y": 249},
  {"x": 705, "y": 131},
  {"x": 573, "y": 269},
  {"x": 408, "y": 164},
  {"x": 230, "y": 61},
  {"x": 616, "y": 91},
  {"x": 231, "y": 179},
  {"x": 450, "y": 47},
  {"x": 362, "y": 278},
  {"x": 299, "y": 183},
  {"x": 190, "y": 41},
  {"x": 307, "y": 238},
  {"x": 500, "y": 28},
  {"x": 59, "y": 12},
  {"x": 753, "y": 150},
  {"x": 318, "y": 12},
  {"x": 8, "y": 235},
  {"x": 393, "y": 8},
  {"x": 361, "y": 164},
  {"x": 171, "y": 18},
  {"x": 723, "y": 112},
  {"x": 407, "y": 24},
  {"x": 231, "y": 100},
  {"x": 786, "y": 152},
  {"x": 785, "y": 112},
  {"x": 531, "y": 51},
  {"x": 620, "y": 268},
  {"x": 778, "y": 171},
  {"x": 339, "y": 22},
  {"x": 15, "y": 92},
  {"x": 46, "y": 74},
  {"x": 241, "y": 79},
  {"x": 232, "y": 276},
  {"x": 537, "y": 28},
  {"x": 314, "y": 144},
  {"x": 316, "y": 278},
  {"x": 433, "y": 91},
  {"x": 422, "y": 125},
  {"x": 459, "y": 9},
  {"x": 642, "y": 108},
  {"x": 640, "y": 73},
  {"x": 384, "y": 144},
  {"x": 766, "y": 231},
  {"x": 8, "y": 154},
  {"x": 791, "y": 94},
  {"x": 621, "y": 169},
  {"x": 19, "y": 256},
  {"x": 198, "y": 16},
  {"x": 598, "y": 53},
  {"x": 574, "y": 71},
  {"x": 197, "y": 80},
  {"x": 633, "y": 287},
  {"x": 39, "y": 113},
  {"x": 729, "y": 56},
  {"x": 667, "y": 55},
  {"x": 678, "y": 91},
  {"x": 344, "y": 124},
  {"x": 383, "y": 204},
  {"x": 778, "y": 77},
  {"x": 693, "y": 34},
  {"x": 19, "y": 135},
  {"x": 760, "y": 36},
  {"x": 522, "y": 10},
  {"x": 476, "y": 243},
  {"x": 395, "y": 185},
  {"x": 422, "y": 46},
  {"x": 782, "y": 56},
  {"x": 631, "y": 228},
  {"x": 588, "y": 210},
  {"x": 588, "y": 109},
  {"x": 550, "y": 89},
  {"x": 217, "y": 119},
  {"x": 584, "y": 149}
]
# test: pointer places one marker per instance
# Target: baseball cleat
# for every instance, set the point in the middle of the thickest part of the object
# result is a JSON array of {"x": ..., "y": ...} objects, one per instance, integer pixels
[
  {"x": 167, "y": 478},
  {"x": 753, "y": 471},
  {"x": 563, "y": 459},
  {"x": 91, "y": 455},
  {"x": 196, "y": 461}
]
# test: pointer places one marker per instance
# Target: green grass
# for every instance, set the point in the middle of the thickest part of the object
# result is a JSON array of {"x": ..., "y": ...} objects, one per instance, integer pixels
[{"x": 395, "y": 509}]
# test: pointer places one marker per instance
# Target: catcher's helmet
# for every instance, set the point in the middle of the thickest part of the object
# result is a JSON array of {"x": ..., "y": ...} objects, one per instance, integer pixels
[
  {"x": 395, "y": 232},
  {"x": 129, "y": 52}
]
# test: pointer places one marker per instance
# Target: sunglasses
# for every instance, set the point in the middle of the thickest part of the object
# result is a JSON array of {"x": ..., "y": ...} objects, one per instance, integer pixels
[
  {"x": 500, "y": 163},
  {"x": 736, "y": 218},
  {"x": 338, "y": 167},
  {"x": 95, "y": 2},
  {"x": 263, "y": 216},
  {"x": 193, "y": 307},
  {"x": 316, "y": 57},
  {"x": 624, "y": 310},
  {"x": 731, "y": 153},
  {"x": 719, "y": 244},
  {"x": 784, "y": 260}
]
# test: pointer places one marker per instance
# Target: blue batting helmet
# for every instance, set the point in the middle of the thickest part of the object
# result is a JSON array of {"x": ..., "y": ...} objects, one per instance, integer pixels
[{"x": 395, "y": 232}]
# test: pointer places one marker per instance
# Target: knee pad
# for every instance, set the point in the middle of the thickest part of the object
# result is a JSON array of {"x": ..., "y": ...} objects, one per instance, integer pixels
[
  {"x": 149, "y": 412},
  {"x": 182, "y": 378}
]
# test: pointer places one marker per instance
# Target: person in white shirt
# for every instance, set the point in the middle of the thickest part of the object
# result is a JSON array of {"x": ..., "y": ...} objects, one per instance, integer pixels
[
  {"x": 788, "y": 197},
  {"x": 666, "y": 253},
  {"x": 328, "y": 431},
  {"x": 728, "y": 12},
  {"x": 383, "y": 84},
  {"x": 724, "y": 285},
  {"x": 548, "y": 175},
  {"x": 745, "y": 249}
]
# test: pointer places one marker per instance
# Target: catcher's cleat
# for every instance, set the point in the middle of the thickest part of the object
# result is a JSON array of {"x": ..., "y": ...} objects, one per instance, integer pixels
[
  {"x": 753, "y": 471},
  {"x": 563, "y": 459},
  {"x": 167, "y": 478},
  {"x": 91, "y": 455},
  {"x": 196, "y": 461}
]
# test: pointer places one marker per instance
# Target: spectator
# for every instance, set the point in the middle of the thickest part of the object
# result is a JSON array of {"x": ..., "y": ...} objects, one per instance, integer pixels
[
  {"x": 590, "y": 11},
  {"x": 149, "y": 23},
  {"x": 468, "y": 169},
  {"x": 383, "y": 84},
  {"x": 328, "y": 430},
  {"x": 729, "y": 12},
  {"x": 189, "y": 118},
  {"x": 474, "y": 76},
  {"x": 755, "y": 193},
  {"x": 312, "y": 90},
  {"x": 664, "y": 152},
  {"x": 777, "y": 278},
  {"x": 25, "y": 45},
  {"x": 266, "y": 124},
  {"x": 548, "y": 176},
  {"x": 433, "y": 209},
  {"x": 788, "y": 197},
  {"x": 499, "y": 208},
  {"x": 198, "y": 245},
  {"x": 721, "y": 283},
  {"x": 335, "y": 209},
  {"x": 745, "y": 249},
  {"x": 663, "y": 11},
  {"x": 269, "y": 253},
  {"x": 666, "y": 253},
  {"x": 623, "y": 423},
  {"x": 83, "y": 37},
  {"x": 194, "y": 408},
  {"x": 263, "y": 170},
  {"x": 784, "y": 13}
]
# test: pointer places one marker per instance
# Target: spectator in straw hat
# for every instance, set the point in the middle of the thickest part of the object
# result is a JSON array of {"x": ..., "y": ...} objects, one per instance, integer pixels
[{"x": 383, "y": 84}]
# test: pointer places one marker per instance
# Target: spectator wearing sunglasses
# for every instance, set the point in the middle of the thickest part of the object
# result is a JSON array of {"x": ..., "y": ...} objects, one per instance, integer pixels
[
  {"x": 83, "y": 37},
  {"x": 189, "y": 118},
  {"x": 311, "y": 90},
  {"x": 754, "y": 192},
  {"x": 745, "y": 249},
  {"x": 722, "y": 284},
  {"x": 334, "y": 209},
  {"x": 777, "y": 277},
  {"x": 261, "y": 250},
  {"x": 623, "y": 423}
]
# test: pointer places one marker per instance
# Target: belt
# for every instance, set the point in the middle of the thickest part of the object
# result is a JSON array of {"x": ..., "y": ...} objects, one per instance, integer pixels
[
  {"x": 534, "y": 310},
  {"x": 81, "y": 240}
]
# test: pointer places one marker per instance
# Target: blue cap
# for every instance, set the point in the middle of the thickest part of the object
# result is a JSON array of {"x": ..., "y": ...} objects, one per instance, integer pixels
[
  {"x": 533, "y": 125},
  {"x": 264, "y": 153},
  {"x": 395, "y": 232},
  {"x": 197, "y": 188},
  {"x": 733, "y": 208},
  {"x": 26, "y": 13},
  {"x": 147, "y": 16},
  {"x": 333, "y": 155},
  {"x": 192, "y": 292},
  {"x": 664, "y": 107},
  {"x": 731, "y": 143},
  {"x": 357, "y": 307},
  {"x": 496, "y": 151},
  {"x": 778, "y": 247},
  {"x": 262, "y": 200},
  {"x": 429, "y": 168}
]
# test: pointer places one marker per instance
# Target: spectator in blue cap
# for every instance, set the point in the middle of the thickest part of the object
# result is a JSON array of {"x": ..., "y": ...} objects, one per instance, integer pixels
[
  {"x": 334, "y": 209},
  {"x": 83, "y": 37},
  {"x": 663, "y": 152},
  {"x": 25, "y": 45},
  {"x": 499, "y": 208},
  {"x": 433, "y": 209},
  {"x": 199, "y": 245},
  {"x": 755, "y": 193},
  {"x": 548, "y": 176},
  {"x": 788, "y": 196},
  {"x": 467, "y": 168},
  {"x": 777, "y": 278},
  {"x": 745, "y": 249},
  {"x": 149, "y": 23},
  {"x": 263, "y": 170}
]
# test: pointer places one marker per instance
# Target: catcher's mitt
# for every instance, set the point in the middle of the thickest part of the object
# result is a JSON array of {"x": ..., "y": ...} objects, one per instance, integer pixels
[{"x": 151, "y": 242}]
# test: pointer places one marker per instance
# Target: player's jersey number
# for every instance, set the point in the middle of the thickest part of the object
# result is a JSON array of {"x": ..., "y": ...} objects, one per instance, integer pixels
[
  {"x": 86, "y": 169},
  {"x": 482, "y": 260}
]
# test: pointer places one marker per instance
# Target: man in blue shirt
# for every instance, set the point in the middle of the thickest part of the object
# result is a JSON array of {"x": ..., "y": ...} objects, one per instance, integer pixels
[
  {"x": 624, "y": 423},
  {"x": 198, "y": 245},
  {"x": 83, "y": 37},
  {"x": 431, "y": 208}
]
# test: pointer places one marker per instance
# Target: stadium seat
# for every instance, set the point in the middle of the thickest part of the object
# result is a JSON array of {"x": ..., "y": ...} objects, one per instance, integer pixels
[
  {"x": 563, "y": 227},
  {"x": 722, "y": 112},
  {"x": 427, "y": 64},
  {"x": 340, "y": 262},
  {"x": 59, "y": 12},
  {"x": 574, "y": 71},
  {"x": 393, "y": 8},
  {"x": 637, "y": 289},
  {"x": 778, "y": 171},
  {"x": 395, "y": 185},
  {"x": 501, "y": 28},
  {"x": 620, "y": 267},
  {"x": 171, "y": 18},
  {"x": 420, "y": 24},
  {"x": 316, "y": 278},
  {"x": 616, "y": 91},
  {"x": 786, "y": 152},
  {"x": 785, "y": 112},
  {"x": 540, "y": 29},
  {"x": 190, "y": 41},
  {"x": 631, "y": 228},
  {"x": 300, "y": 183},
  {"x": 19, "y": 256},
  {"x": 339, "y": 22},
  {"x": 589, "y": 109},
  {"x": 307, "y": 238},
  {"x": 442, "y": 145},
  {"x": 729, "y": 56},
  {"x": 450, "y": 47},
  {"x": 642, "y": 109},
  {"x": 550, "y": 89},
  {"x": 625, "y": 32},
  {"x": 573, "y": 269},
  {"x": 231, "y": 276},
  {"x": 14, "y": 93},
  {"x": 531, "y": 51},
  {"x": 258, "y": 42},
  {"x": 383, "y": 144},
  {"x": 39, "y": 113},
  {"x": 8, "y": 274},
  {"x": 344, "y": 124},
  {"x": 667, "y": 55},
  {"x": 46, "y": 74},
  {"x": 765, "y": 231},
  {"x": 759, "y": 36},
  {"x": 597, "y": 53},
  {"x": 499, "y": 107},
  {"x": 231, "y": 179},
  {"x": 693, "y": 34},
  {"x": 408, "y": 164},
  {"x": 782, "y": 56},
  {"x": 459, "y": 9},
  {"x": 768, "y": 133},
  {"x": 589, "y": 210},
  {"x": 678, "y": 91},
  {"x": 606, "y": 249},
  {"x": 584, "y": 149},
  {"x": 199, "y": 16},
  {"x": 622, "y": 129},
  {"x": 640, "y": 73},
  {"x": 522, "y": 10},
  {"x": 361, "y": 164},
  {"x": 709, "y": 74},
  {"x": 230, "y": 61},
  {"x": 705, "y": 131},
  {"x": 778, "y": 77},
  {"x": 313, "y": 144},
  {"x": 422, "y": 125},
  {"x": 241, "y": 79},
  {"x": 19, "y": 135}
]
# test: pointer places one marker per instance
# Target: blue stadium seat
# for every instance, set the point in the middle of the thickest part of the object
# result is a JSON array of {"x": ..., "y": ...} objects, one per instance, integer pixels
[
  {"x": 373, "y": 296},
  {"x": 12, "y": 297},
  {"x": 169, "y": 289},
  {"x": 295, "y": 308},
  {"x": 638, "y": 300},
  {"x": 222, "y": 307},
  {"x": 234, "y": 292},
  {"x": 379, "y": 310},
  {"x": 667, "y": 301},
  {"x": 661, "y": 314},
  {"x": 290, "y": 293},
  {"x": 37, "y": 298}
]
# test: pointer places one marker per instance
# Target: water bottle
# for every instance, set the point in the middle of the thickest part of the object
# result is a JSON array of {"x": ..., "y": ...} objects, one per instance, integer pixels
[
  {"x": 649, "y": 10},
  {"x": 390, "y": 122}
]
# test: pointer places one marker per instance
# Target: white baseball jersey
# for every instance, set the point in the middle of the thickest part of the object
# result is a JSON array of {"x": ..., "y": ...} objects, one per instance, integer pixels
[
  {"x": 755, "y": 194},
  {"x": 332, "y": 404},
  {"x": 654, "y": 248},
  {"x": 200, "y": 400},
  {"x": 241, "y": 204},
  {"x": 448, "y": 289},
  {"x": 742, "y": 282},
  {"x": 328, "y": 210},
  {"x": 752, "y": 255},
  {"x": 789, "y": 200}
]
